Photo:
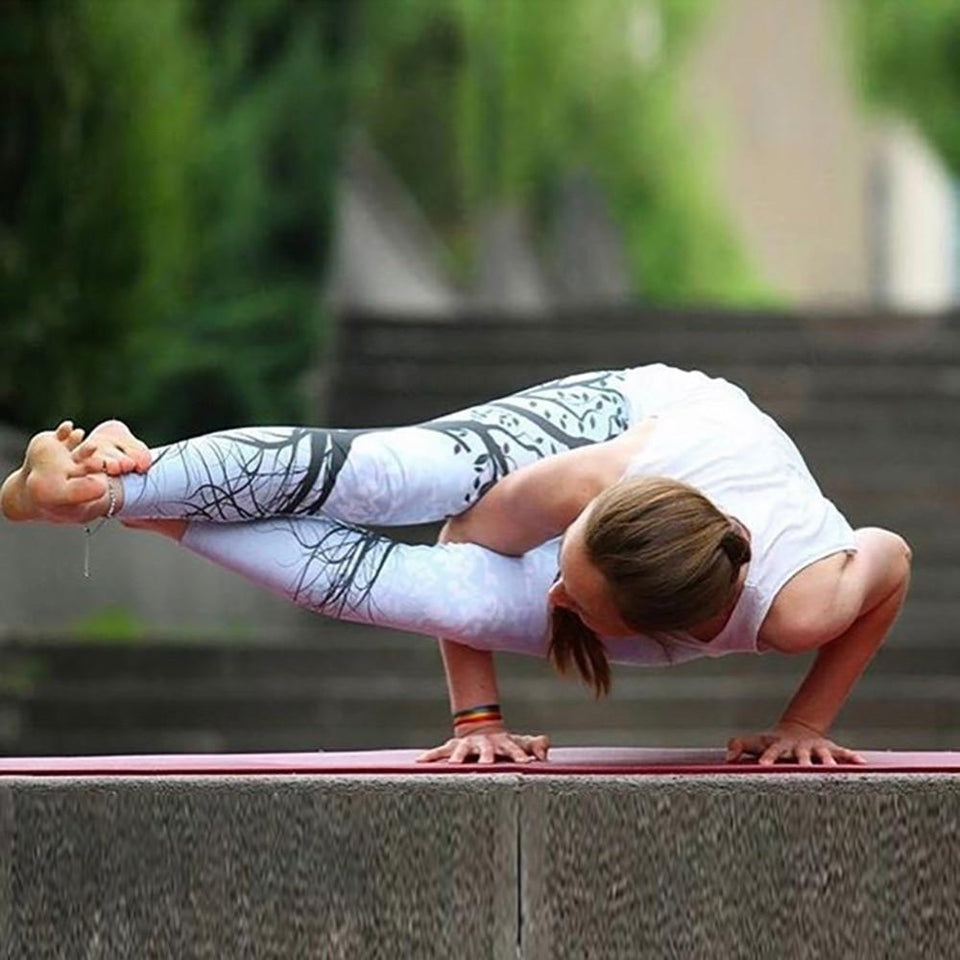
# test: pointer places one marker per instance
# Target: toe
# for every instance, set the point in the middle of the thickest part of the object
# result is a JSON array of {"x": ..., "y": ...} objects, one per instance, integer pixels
[{"x": 85, "y": 449}]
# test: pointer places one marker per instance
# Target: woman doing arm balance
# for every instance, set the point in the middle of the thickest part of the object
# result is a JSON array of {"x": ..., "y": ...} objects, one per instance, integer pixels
[{"x": 644, "y": 516}]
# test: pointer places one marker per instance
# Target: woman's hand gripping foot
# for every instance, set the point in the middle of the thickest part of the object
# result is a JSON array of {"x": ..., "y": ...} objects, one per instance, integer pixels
[
  {"x": 51, "y": 485},
  {"x": 112, "y": 449}
]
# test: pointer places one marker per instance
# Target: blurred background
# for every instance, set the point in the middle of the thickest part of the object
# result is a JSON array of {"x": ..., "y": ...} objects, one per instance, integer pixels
[{"x": 368, "y": 212}]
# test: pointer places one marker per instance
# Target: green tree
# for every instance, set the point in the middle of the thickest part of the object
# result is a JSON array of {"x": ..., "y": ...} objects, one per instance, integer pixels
[
  {"x": 100, "y": 107},
  {"x": 165, "y": 207},
  {"x": 477, "y": 102},
  {"x": 263, "y": 180},
  {"x": 907, "y": 57},
  {"x": 167, "y": 172}
]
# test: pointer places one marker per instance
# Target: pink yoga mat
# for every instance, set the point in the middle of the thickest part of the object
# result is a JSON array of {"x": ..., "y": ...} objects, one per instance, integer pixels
[{"x": 641, "y": 761}]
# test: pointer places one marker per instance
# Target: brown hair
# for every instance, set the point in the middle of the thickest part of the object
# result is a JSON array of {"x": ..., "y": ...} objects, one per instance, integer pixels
[{"x": 670, "y": 559}]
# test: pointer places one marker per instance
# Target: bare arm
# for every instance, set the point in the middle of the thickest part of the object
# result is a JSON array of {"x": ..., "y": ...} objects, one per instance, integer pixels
[
  {"x": 539, "y": 501},
  {"x": 874, "y": 586},
  {"x": 471, "y": 682},
  {"x": 525, "y": 509},
  {"x": 852, "y": 617}
]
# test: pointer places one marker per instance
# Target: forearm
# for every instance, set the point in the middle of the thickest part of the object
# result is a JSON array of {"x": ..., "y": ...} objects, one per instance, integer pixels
[
  {"x": 539, "y": 501},
  {"x": 841, "y": 662},
  {"x": 498, "y": 523},
  {"x": 471, "y": 674},
  {"x": 471, "y": 677}
]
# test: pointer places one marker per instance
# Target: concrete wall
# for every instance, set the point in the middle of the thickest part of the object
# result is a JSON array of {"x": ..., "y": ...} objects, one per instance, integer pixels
[{"x": 498, "y": 866}]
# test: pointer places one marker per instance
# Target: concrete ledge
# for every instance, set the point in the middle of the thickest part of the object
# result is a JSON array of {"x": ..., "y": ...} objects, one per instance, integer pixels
[
  {"x": 637, "y": 761},
  {"x": 278, "y": 867},
  {"x": 856, "y": 865},
  {"x": 494, "y": 865}
]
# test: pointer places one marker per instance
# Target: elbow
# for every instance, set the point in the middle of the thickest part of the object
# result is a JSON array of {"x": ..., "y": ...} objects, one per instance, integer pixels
[
  {"x": 906, "y": 551},
  {"x": 901, "y": 554}
]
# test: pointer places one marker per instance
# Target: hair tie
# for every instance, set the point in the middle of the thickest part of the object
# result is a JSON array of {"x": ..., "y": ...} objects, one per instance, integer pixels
[{"x": 736, "y": 546}]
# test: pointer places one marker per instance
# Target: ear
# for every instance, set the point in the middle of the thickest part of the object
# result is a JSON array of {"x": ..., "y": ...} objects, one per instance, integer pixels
[{"x": 557, "y": 594}]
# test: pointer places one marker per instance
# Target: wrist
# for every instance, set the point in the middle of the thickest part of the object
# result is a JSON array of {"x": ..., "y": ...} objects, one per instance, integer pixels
[
  {"x": 481, "y": 713},
  {"x": 478, "y": 718},
  {"x": 787, "y": 721},
  {"x": 467, "y": 729}
]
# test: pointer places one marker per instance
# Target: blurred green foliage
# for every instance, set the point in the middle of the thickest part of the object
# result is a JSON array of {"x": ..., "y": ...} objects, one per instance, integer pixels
[
  {"x": 166, "y": 190},
  {"x": 908, "y": 61},
  {"x": 166, "y": 178},
  {"x": 111, "y": 624},
  {"x": 478, "y": 102}
]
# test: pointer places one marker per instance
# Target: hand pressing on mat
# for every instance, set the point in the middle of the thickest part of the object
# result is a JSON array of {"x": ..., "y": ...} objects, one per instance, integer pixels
[
  {"x": 791, "y": 741},
  {"x": 488, "y": 744}
]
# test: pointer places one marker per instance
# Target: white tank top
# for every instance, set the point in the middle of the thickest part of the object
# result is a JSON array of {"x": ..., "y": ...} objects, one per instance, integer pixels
[{"x": 712, "y": 437}]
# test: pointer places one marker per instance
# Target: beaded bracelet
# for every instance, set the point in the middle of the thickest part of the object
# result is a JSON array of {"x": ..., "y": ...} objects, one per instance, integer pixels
[{"x": 486, "y": 713}]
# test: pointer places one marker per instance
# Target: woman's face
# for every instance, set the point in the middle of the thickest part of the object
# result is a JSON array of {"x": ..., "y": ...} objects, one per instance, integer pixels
[{"x": 582, "y": 588}]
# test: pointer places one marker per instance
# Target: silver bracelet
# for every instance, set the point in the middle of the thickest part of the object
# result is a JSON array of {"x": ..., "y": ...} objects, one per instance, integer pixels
[{"x": 88, "y": 532}]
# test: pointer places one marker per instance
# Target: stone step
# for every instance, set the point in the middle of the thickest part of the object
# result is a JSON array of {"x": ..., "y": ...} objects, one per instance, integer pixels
[
  {"x": 338, "y": 651},
  {"x": 918, "y": 516},
  {"x": 884, "y": 382},
  {"x": 685, "y": 342},
  {"x": 327, "y": 702},
  {"x": 347, "y": 726},
  {"x": 898, "y": 670},
  {"x": 911, "y": 457},
  {"x": 356, "y": 737},
  {"x": 860, "y": 419},
  {"x": 797, "y": 382},
  {"x": 332, "y": 652}
]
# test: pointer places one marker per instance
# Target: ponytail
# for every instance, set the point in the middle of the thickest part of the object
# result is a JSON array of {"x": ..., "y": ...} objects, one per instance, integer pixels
[{"x": 572, "y": 643}]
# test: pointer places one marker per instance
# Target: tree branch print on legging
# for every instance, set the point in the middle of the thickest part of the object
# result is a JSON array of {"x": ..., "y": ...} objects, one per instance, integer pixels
[{"x": 406, "y": 475}]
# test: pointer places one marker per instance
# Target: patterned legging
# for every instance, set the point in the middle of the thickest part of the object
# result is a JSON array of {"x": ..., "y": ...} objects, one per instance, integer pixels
[{"x": 285, "y": 507}]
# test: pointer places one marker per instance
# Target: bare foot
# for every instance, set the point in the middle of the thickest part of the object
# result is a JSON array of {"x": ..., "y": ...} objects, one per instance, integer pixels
[
  {"x": 51, "y": 486},
  {"x": 112, "y": 449}
]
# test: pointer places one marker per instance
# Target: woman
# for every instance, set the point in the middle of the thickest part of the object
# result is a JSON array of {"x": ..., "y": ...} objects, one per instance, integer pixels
[{"x": 648, "y": 515}]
